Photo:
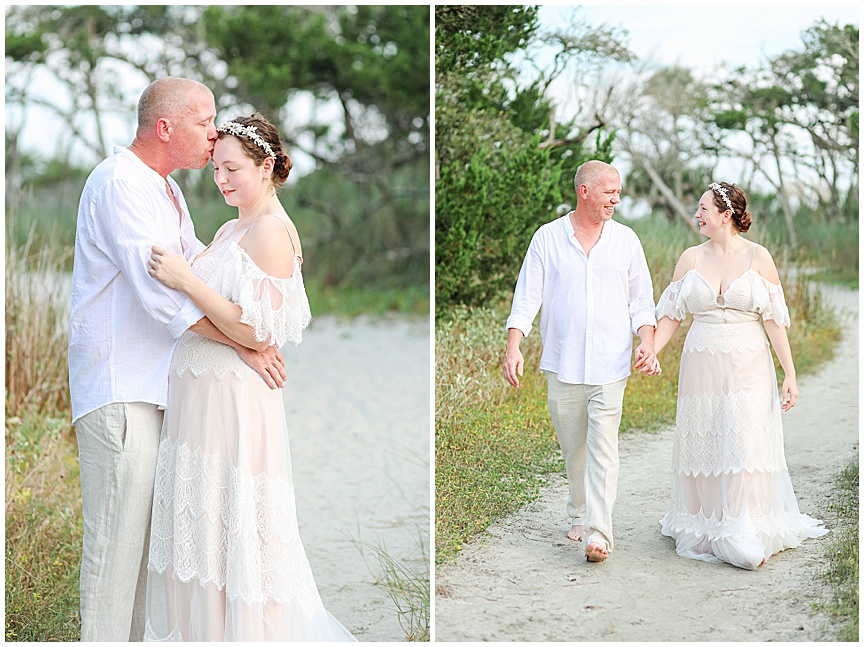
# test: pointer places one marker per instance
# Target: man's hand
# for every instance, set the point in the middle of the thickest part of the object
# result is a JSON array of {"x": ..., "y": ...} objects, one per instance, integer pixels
[
  {"x": 513, "y": 363},
  {"x": 269, "y": 364},
  {"x": 646, "y": 360}
]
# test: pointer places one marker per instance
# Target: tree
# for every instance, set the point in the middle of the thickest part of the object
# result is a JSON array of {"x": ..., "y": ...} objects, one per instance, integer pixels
[
  {"x": 800, "y": 114},
  {"x": 369, "y": 64},
  {"x": 500, "y": 151},
  {"x": 660, "y": 117}
]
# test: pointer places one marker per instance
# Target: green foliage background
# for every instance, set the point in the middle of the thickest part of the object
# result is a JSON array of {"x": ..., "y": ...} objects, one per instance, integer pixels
[
  {"x": 363, "y": 213},
  {"x": 498, "y": 178}
]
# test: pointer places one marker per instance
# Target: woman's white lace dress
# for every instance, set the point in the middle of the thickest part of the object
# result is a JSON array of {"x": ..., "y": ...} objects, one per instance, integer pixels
[
  {"x": 732, "y": 498},
  {"x": 226, "y": 560}
]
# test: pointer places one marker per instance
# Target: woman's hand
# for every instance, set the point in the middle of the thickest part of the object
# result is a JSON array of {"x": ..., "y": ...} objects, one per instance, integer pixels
[
  {"x": 171, "y": 269},
  {"x": 789, "y": 394}
]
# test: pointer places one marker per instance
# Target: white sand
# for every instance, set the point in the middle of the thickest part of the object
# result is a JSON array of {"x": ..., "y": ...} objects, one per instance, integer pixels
[
  {"x": 527, "y": 582},
  {"x": 358, "y": 409}
]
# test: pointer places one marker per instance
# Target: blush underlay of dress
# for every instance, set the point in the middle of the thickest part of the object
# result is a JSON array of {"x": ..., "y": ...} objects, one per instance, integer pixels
[
  {"x": 226, "y": 559},
  {"x": 732, "y": 498}
]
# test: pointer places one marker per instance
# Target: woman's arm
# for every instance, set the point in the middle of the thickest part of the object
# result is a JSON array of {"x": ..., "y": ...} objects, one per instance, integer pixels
[
  {"x": 174, "y": 271},
  {"x": 268, "y": 247},
  {"x": 780, "y": 342},
  {"x": 666, "y": 326},
  {"x": 764, "y": 264}
]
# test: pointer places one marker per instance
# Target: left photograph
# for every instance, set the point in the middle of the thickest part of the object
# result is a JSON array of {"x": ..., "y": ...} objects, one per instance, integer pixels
[{"x": 217, "y": 323}]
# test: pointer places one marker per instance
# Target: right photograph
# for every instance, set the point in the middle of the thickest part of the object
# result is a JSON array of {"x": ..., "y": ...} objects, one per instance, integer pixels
[{"x": 646, "y": 323}]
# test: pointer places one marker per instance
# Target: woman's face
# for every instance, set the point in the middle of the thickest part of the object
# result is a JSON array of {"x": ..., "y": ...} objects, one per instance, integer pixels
[
  {"x": 240, "y": 181},
  {"x": 710, "y": 219}
]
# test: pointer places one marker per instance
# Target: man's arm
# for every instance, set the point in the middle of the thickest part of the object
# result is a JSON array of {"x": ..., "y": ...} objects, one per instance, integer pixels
[
  {"x": 642, "y": 316},
  {"x": 527, "y": 298},
  {"x": 124, "y": 228},
  {"x": 124, "y": 232}
]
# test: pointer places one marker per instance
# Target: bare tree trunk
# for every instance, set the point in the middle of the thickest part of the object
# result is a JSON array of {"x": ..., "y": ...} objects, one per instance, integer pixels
[
  {"x": 784, "y": 198},
  {"x": 664, "y": 190}
]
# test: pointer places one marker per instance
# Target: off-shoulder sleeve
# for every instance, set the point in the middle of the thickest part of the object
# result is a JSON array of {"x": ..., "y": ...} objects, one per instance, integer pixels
[
  {"x": 770, "y": 302},
  {"x": 671, "y": 302},
  {"x": 277, "y": 309}
]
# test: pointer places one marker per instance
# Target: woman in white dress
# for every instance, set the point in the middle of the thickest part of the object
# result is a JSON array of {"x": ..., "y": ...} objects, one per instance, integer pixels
[
  {"x": 732, "y": 498},
  {"x": 226, "y": 560}
]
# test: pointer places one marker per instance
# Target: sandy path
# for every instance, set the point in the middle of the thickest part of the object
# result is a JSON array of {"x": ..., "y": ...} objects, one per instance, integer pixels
[
  {"x": 527, "y": 582},
  {"x": 358, "y": 413}
]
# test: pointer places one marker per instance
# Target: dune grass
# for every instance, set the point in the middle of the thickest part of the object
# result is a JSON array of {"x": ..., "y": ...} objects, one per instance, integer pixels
[
  {"x": 407, "y": 583},
  {"x": 43, "y": 495},
  {"x": 841, "y": 571}
]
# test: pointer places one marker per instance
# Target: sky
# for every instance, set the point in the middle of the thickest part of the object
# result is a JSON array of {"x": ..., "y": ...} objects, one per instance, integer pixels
[
  {"x": 696, "y": 35},
  {"x": 702, "y": 35}
]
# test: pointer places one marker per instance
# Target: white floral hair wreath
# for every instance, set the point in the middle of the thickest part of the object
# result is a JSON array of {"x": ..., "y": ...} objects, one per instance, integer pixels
[
  {"x": 239, "y": 130},
  {"x": 723, "y": 194}
]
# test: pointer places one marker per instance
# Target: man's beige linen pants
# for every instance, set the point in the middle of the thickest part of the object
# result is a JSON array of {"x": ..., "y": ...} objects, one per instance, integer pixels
[
  {"x": 117, "y": 449},
  {"x": 586, "y": 419}
]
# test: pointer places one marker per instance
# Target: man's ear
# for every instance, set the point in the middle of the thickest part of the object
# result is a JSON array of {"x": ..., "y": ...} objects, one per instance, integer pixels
[{"x": 164, "y": 129}]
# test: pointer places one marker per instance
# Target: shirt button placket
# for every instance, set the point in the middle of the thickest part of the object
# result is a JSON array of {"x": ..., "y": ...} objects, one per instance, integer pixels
[{"x": 589, "y": 317}]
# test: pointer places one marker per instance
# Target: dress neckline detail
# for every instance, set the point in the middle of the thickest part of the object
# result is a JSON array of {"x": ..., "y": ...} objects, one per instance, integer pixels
[{"x": 722, "y": 293}]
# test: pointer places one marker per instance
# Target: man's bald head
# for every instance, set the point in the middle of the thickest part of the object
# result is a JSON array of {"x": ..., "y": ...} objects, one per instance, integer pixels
[
  {"x": 170, "y": 98},
  {"x": 589, "y": 172}
]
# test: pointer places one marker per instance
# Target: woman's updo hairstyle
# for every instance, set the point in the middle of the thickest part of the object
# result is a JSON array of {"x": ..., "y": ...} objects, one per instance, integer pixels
[
  {"x": 737, "y": 202},
  {"x": 269, "y": 133}
]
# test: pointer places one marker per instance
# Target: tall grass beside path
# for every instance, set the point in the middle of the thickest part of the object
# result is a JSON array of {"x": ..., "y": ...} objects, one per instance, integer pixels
[
  {"x": 841, "y": 570},
  {"x": 43, "y": 520},
  {"x": 37, "y": 316},
  {"x": 493, "y": 445}
]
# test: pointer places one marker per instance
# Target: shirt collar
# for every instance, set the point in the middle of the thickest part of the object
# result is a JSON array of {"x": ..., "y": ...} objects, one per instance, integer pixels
[
  {"x": 571, "y": 233},
  {"x": 146, "y": 170}
]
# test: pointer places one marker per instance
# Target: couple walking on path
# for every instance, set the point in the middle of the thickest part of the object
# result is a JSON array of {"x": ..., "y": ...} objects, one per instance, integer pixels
[{"x": 732, "y": 498}]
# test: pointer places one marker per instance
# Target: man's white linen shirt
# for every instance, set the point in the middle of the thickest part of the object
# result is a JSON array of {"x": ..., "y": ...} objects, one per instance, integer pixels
[
  {"x": 592, "y": 304},
  {"x": 124, "y": 323}
]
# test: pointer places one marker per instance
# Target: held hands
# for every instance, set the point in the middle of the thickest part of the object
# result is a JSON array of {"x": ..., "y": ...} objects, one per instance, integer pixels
[
  {"x": 171, "y": 269},
  {"x": 269, "y": 364},
  {"x": 646, "y": 360},
  {"x": 789, "y": 394}
]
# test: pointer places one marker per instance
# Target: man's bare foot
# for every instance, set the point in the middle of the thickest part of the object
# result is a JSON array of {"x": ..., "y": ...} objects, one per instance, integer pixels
[
  {"x": 575, "y": 533},
  {"x": 595, "y": 552}
]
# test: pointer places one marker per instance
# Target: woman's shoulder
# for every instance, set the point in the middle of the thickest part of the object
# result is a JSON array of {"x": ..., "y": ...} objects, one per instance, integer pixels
[
  {"x": 763, "y": 264},
  {"x": 688, "y": 256},
  {"x": 267, "y": 242}
]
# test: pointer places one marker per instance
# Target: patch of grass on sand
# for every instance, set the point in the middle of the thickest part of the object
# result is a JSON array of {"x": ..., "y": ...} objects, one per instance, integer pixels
[
  {"x": 408, "y": 585},
  {"x": 841, "y": 572}
]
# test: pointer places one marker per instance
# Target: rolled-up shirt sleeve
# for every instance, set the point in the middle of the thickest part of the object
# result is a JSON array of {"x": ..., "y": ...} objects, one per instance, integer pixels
[
  {"x": 641, "y": 290},
  {"x": 122, "y": 225},
  {"x": 528, "y": 295}
]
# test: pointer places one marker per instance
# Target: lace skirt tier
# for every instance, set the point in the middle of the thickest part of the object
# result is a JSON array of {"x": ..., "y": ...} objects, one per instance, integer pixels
[
  {"x": 226, "y": 559},
  {"x": 732, "y": 498}
]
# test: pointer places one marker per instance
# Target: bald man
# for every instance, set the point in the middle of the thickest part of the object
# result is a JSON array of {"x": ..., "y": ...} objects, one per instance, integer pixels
[
  {"x": 590, "y": 275},
  {"x": 122, "y": 332}
]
